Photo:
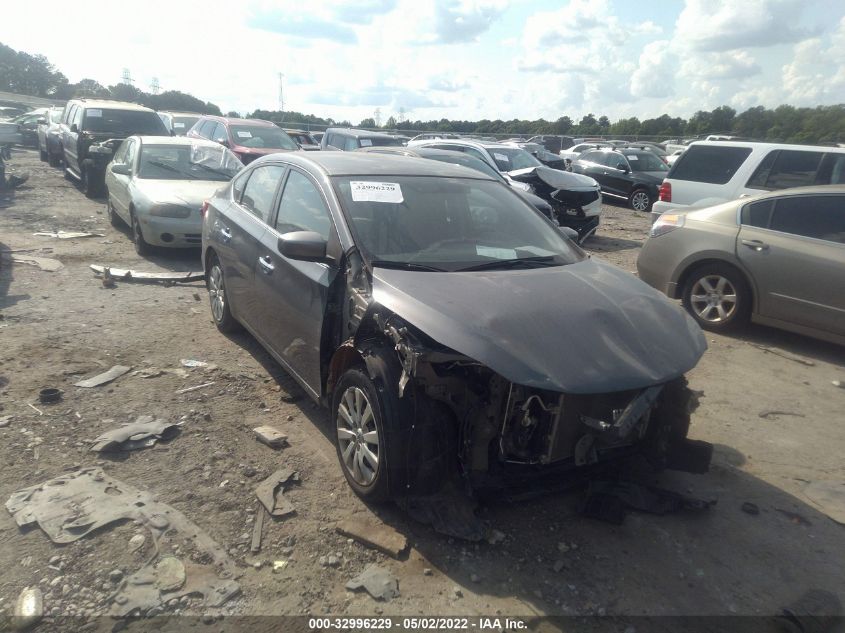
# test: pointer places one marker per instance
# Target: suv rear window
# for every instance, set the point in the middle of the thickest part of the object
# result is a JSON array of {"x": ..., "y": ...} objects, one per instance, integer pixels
[
  {"x": 786, "y": 168},
  {"x": 123, "y": 122},
  {"x": 715, "y": 165}
]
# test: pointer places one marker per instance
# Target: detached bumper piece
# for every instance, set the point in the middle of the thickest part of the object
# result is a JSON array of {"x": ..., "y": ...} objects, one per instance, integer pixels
[{"x": 610, "y": 501}]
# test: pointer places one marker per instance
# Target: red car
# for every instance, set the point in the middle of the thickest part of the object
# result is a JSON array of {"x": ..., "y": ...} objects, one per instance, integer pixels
[{"x": 247, "y": 138}]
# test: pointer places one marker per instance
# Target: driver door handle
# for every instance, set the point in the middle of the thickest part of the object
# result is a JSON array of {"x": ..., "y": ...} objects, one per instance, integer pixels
[
  {"x": 756, "y": 245},
  {"x": 266, "y": 265}
]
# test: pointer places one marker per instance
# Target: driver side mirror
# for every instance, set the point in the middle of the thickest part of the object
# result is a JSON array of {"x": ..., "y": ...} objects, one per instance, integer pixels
[
  {"x": 306, "y": 246},
  {"x": 622, "y": 167},
  {"x": 120, "y": 169},
  {"x": 41, "y": 121},
  {"x": 222, "y": 142},
  {"x": 74, "y": 128}
]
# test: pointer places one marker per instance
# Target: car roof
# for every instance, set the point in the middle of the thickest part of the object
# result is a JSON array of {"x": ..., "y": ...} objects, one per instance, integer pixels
[
  {"x": 237, "y": 121},
  {"x": 108, "y": 104},
  {"x": 374, "y": 164},
  {"x": 351, "y": 131},
  {"x": 176, "y": 113},
  {"x": 763, "y": 145},
  {"x": 473, "y": 142},
  {"x": 176, "y": 140}
]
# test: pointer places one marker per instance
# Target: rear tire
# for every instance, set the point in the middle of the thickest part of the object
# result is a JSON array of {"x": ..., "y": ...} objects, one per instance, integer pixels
[
  {"x": 42, "y": 154},
  {"x": 54, "y": 159},
  {"x": 640, "y": 200},
  {"x": 218, "y": 298},
  {"x": 717, "y": 296},
  {"x": 114, "y": 220}
]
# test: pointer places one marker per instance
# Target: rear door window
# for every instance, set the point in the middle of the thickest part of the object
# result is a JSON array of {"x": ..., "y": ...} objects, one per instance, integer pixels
[
  {"x": 260, "y": 190},
  {"x": 819, "y": 217},
  {"x": 758, "y": 214},
  {"x": 785, "y": 169},
  {"x": 832, "y": 170},
  {"x": 704, "y": 163},
  {"x": 206, "y": 129}
]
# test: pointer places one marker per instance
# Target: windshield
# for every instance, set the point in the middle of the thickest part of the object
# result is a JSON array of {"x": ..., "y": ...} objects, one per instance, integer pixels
[
  {"x": 379, "y": 141},
  {"x": 261, "y": 136},
  {"x": 646, "y": 161},
  {"x": 467, "y": 161},
  {"x": 123, "y": 121},
  {"x": 181, "y": 124},
  {"x": 188, "y": 162},
  {"x": 448, "y": 224},
  {"x": 510, "y": 158},
  {"x": 301, "y": 138}
]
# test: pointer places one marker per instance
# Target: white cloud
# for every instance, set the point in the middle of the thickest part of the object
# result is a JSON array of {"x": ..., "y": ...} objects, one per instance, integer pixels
[{"x": 654, "y": 76}]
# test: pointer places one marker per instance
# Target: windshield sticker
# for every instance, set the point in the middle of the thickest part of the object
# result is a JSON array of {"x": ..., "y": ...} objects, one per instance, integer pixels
[
  {"x": 365, "y": 191},
  {"x": 94, "y": 113},
  {"x": 177, "y": 124},
  {"x": 365, "y": 142},
  {"x": 501, "y": 157},
  {"x": 495, "y": 253},
  {"x": 632, "y": 157},
  {"x": 244, "y": 134}
]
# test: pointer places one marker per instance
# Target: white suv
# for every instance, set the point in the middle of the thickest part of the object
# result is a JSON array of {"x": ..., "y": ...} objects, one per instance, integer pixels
[{"x": 712, "y": 172}]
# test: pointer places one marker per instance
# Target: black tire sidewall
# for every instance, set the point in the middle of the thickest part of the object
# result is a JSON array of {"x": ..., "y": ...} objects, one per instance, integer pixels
[
  {"x": 743, "y": 304},
  {"x": 141, "y": 246},
  {"x": 381, "y": 401},
  {"x": 228, "y": 323}
]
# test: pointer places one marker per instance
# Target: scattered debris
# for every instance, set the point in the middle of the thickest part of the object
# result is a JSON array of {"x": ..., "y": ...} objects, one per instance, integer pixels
[
  {"x": 270, "y": 492},
  {"x": 838, "y": 383},
  {"x": 279, "y": 565},
  {"x": 49, "y": 395},
  {"x": 168, "y": 278},
  {"x": 190, "y": 389},
  {"x": 108, "y": 280},
  {"x": 610, "y": 500},
  {"x": 270, "y": 436},
  {"x": 142, "y": 433},
  {"x": 155, "y": 372},
  {"x": 170, "y": 573},
  {"x": 257, "y": 529},
  {"x": 69, "y": 235},
  {"x": 44, "y": 263},
  {"x": 115, "y": 372},
  {"x": 750, "y": 508},
  {"x": 72, "y": 506},
  {"x": 456, "y": 592},
  {"x": 379, "y": 583},
  {"x": 186, "y": 362},
  {"x": 449, "y": 512},
  {"x": 5, "y": 420},
  {"x": 29, "y": 608},
  {"x": 817, "y": 611},
  {"x": 381, "y": 537},
  {"x": 329, "y": 561},
  {"x": 137, "y": 542},
  {"x": 768, "y": 414},
  {"x": 794, "y": 517},
  {"x": 783, "y": 354},
  {"x": 829, "y": 496},
  {"x": 427, "y": 571},
  {"x": 34, "y": 408}
]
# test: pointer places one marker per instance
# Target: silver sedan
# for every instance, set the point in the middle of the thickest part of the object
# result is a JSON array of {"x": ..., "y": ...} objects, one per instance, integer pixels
[
  {"x": 778, "y": 259},
  {"x": 157, "y": 186}
]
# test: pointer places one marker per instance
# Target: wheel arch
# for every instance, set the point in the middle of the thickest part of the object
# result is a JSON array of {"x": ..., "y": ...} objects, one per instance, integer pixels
[{"x": 683, "y": 278}]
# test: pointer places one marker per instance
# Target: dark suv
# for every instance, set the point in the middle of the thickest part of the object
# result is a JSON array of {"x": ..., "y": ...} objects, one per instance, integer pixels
[
  {"x": 91, "y": 131},
  {"x": 247, "y": 138},
  {"x": 350, "y": 139},
  {"x": 632, "y": 174}
]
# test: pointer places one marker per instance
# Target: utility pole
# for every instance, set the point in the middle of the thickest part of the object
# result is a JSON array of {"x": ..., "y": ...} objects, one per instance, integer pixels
[
  {"x": 155, "y": 87},
  {"x": 126, "y": 77},
  {"x": 377, "y": 117},
  {"x": 281, "y": 92}
]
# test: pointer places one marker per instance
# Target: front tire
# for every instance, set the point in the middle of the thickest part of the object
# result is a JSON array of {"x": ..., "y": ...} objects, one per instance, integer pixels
[
  {"x": 91, "y": 186},
  {"x": 141, "y": 245},
  {"x": 220, "y": 312},
  {"x": 717, "y": 296},
  {"x": 640, "y": 200},
  {"x": 359, "y": 410},
  {"x": 42, "y": 154},
  {"x": 110, "y": 211}
]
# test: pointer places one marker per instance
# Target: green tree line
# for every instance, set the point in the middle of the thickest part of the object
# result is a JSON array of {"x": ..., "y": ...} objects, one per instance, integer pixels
[{"x": 34, "y": 75}]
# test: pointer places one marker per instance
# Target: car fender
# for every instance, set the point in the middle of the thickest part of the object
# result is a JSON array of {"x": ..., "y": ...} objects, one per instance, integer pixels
[{"x": 701, "y": 257}]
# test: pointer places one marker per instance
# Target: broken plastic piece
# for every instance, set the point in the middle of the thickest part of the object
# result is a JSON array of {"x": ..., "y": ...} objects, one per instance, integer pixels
[
  {"x": 379, "y": 583},
  {"x": 101, "y": 379},
  {"x": 449, "y": 512},
  {"x": 142, "y": 433},
  {"x": 69, "y": 235},
  {"x": 137, "y": 275},
  {"x": 270, "y": 492}
]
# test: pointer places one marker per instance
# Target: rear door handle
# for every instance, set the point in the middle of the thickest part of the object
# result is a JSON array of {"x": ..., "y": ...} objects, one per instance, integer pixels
[
  {"x": 756, "y": 245},
  {"x": 266, "y": 265}
]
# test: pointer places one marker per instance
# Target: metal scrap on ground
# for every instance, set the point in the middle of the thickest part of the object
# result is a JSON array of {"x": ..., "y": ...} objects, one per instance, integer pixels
[
  {"x": 121, "y": 274},
  {"x": 142, "y": 433},
  {"x": 379, "y": 583},
  {"x": 72, "y": 506},
  {"x": 195, "y": 388},
  {"x": 101, "y": 379},
  {"x": 270, "y": 492},
  {"x": 69, "y": 235},
  {"x": 381, "y": 537},
  {"x": 44, "y": 263}
]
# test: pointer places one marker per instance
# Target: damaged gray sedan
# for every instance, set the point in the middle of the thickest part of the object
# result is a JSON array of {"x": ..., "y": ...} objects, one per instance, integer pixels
[{"x": 455, "y": 332}]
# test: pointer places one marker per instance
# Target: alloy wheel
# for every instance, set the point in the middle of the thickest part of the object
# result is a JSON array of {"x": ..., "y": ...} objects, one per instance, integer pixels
[
  {"x": 713, "y": 298},
  {"x": 216, "y": 293},
  {"x": 640, "y": 201},
  {"x": 357, "y": 436}
]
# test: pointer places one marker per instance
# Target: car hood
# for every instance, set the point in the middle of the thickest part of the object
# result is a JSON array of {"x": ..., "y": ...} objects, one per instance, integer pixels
[
  {"x": 190, "y": 192},
  {"x": 260, "y": 151},
  {"x": 554, "y": 178},
  {"x": 582, "y": 328}
]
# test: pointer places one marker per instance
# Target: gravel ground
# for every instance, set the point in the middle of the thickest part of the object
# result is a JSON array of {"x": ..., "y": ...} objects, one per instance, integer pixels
[{"x": 776, "y": 425}]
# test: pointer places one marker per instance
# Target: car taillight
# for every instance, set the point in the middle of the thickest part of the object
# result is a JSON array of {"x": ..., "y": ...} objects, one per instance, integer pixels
[
  {"x": 665, "y": 191},
  {"x": 203, "y": 208}
]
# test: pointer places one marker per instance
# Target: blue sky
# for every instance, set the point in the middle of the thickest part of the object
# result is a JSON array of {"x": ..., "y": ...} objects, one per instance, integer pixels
[{"x": 462, "y": 59}]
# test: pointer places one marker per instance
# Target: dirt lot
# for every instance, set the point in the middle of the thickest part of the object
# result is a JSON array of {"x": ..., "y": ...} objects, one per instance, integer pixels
[{"x": 777, "y": 425}]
